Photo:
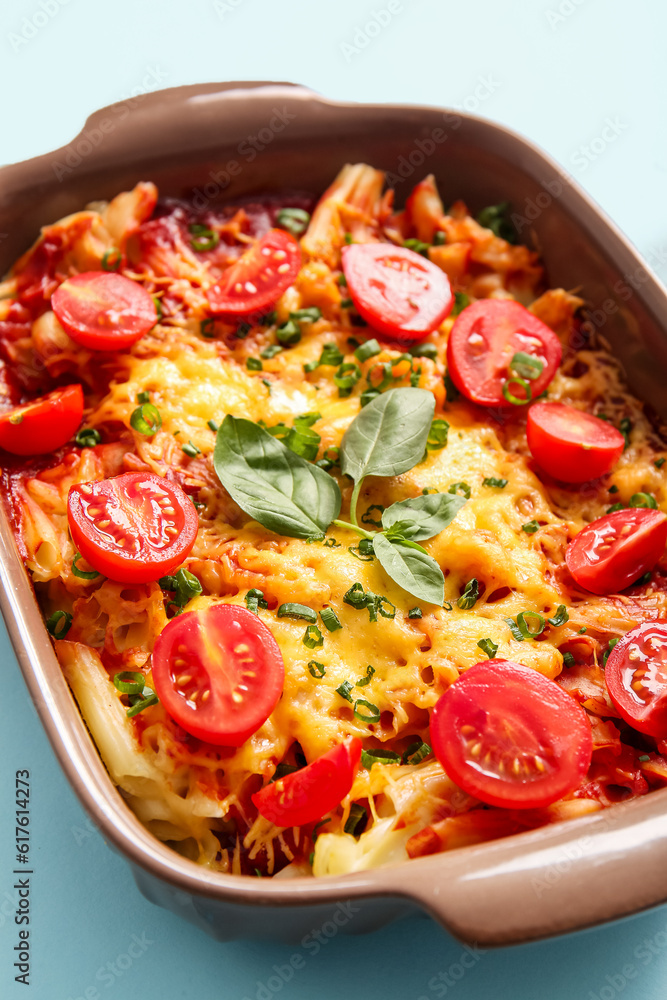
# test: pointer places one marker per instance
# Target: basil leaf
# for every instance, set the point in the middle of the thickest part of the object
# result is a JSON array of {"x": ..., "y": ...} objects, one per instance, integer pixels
[
  {"x": 425, "y": 516},
  {"x": 281, "y": 490},
  {"x": 411, "y": 568},
  {"x": 389, "y": 435}
]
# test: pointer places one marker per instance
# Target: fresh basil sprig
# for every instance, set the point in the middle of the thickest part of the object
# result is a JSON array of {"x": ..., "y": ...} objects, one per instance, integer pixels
[
  {"x": 294, "y": 497},
  {"x": 275, "y": 486}
]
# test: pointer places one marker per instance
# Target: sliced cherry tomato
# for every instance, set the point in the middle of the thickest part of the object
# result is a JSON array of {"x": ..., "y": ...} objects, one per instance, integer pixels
[
  {"x": 306, "y": 795},
  {"x": 400, "y": 293},
  {"x": 611, "y": 553},
  {"x": 133, "y": 528},
  {"x": 43, "y": 425},
  {"x": 218, "y": 672},
  {"x": 482, "y": 343},
  {"x": 571, "y": 445},
  {"x": 258, "y": 278},
  {"x": 510, "y": 736},
  {"x": 104, "y": 311},
  {"x": 636, "y": 678}
]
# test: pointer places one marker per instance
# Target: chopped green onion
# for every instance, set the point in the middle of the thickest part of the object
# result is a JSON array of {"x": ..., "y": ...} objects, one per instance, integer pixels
[
  {"x": 129, "y": 681},
  {"x": 214, "y": 425},
  {"x": 439, "y": 238},
  {"x": 344, "y": 690},
  {"x": 509, "y": 395},
  {"x": 330, "y": 543},
  {"x": 330, "y": 619},
  {"x": 184, "y": 584},
  {"x": 111, "y": 259},
  {"x": 625, "y": 427},
  {"x": 363, "y": 551},
  {"x": 363, "y": 681},
  {"x": 58, "y": 624},
  {"x": 644, "y": 579},
  {"x": 346, "y": 378},
  {"x": 298, "y": 611},
  {"x": 367, "y": 519},
  {"x": 348, "y": 238},
  {"x": 659, "y": 462},
  {"x": 560, "y": 617},
  {"x": 374, "y": 711},
  {"x": 253, "y": 365},
  {"x": 342, "y": 280},
  {"x": 488, "y": 647},
  {"x": 416, "y": 753},
  {"x": 255, "y": 599},
  {"x": 158, "y": 307},
  {"x": 206, "y": 328},
  {"x": 613, "y": 489},
  {"x": 309, "y": 315},
  {"x": 82, "y": 574},
  {"x": 526, "y": 365},
  {"x": 452, "y": 393},
  {"x": 525, "y": 628},
  {"x": 316, "y": 669},
  {"x": 643, "y": 758},
  {"x": 568, "y": 659},
  {"x": 203, "y": 238},
  {"x": 498, "y": 484},
  {"x": 312, "y": 637},
  {"x": 495, "y": 218},
  {"x": 288, "y": 334},
  {"x": 294, "y": 220},
  {"x": 356, "y": 821},
  {"x": 242, "y": 330},
  {"x": 146, "y": 420},
  {"x": 426, "y": 350},
  {"x": 605, "y": 655},
  {"x": 378, "y": 756},
  {"x": 270, "y": 351},
  {"x": 461, "y": 302},
  {"x": 615, "y": 506},
  {"x": 356, "y": 596},
  {"x": 87, "y": 437},
  {"x": 514, "y": 629},
  {"x": 642, "y": 500},
  {"x": 330, "y": 355},
  {"x": 191, "y": 449},
  {"x": 582, "y": 630},
  {"x": 347, "y": 303},
  {"x": 417, "y": 246},
  {"x": 367, "y": 350},
  {"x": 146, "y": 702},
  {"x": 530, "y": 527},
  {"x": 470, "y": 595},
  {"x": 282, "y": 770},
  {"x": 415, "y": 613},
  {"x": 461, "y": 488},
  {"x": 437, "y": 436}
]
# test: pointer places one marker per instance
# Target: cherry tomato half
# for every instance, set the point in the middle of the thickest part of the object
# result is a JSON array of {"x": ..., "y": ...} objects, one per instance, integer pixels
[
  {"x": 42, "y": 425},
  {"x": 103, "y": 311},
  {"x": 258, "y": 278},
  {"x": 133, "y": 528},
  {"x": 636, "y": 678},
  {"x": 400, "y": 293},
  {"x": 218, "y": 672},
  {"x": 306, "y": 795},
  {"x": 611, "y": 553},
  {"x": 510, "y": 736},
  {"x": 484, "y": 339},
  {"x": 571, "y": 445}
]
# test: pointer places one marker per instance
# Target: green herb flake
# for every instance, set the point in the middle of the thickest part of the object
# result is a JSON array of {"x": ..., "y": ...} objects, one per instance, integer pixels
[
  {"x": 255, "y": 599},
  {"x": 498, "y": 484},
  {"x": 470, "y": 595},
  {"x": 344, "y": 690},
  {"x": 300, "y": 612},
  {"x": 530, "y": 527},
  {"x": 294, "y": 220},
  {"x": 316, "y": 669},
  {"x": 488, "y": 647},
  {"x": 415, "y": 613},
  {"x": 313, "y": 638}
]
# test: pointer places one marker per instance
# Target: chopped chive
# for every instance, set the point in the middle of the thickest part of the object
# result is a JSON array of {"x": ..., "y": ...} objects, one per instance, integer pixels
[
  {"x": 416, "y": 753},
  {"x": 426, "y": 350},
  {"x": 146, "y": 420},
  {"x": 560, "y": 617},
  {"x": 309, "y": 315},
  {"x": 344, "y": 690},
  {"x": 367, "y": 350},
  {"x": 203, "y": 238},
  {"x": 415, "y": 613},
  {"x": 363, "y": 551},
  {"x": 346, "y": 377},
  {"x": 625, "y": 427},
  {"x": 253, "y": 365},
  {"x": 614, "y": 507},
  {"x": 582, "y": 630},
  {"x": 439, "y": 238},
  {"x": 111, "y": 259},
  {"x": 373, "y": 711},
  {"x": 437, "y": 439},
  {"x": 469, "y": 597},
  {"x": 316, "y": 669},
  {"x": 255, "y": 599},
  {"x": 348, "y": 238},
  {"x": 82, "y": 574},
  {"x": 347, "y": 303},
  {"x": 452, "y": 394},
  {"x": 378, "y": 756},
  {"x": 568, "y": 659},
  {"x": 461, "y": 302},
  {"x": 294, "y": 220},
  {"x": 206, "y": 328},
  {"x": 342, "y": 280},
  {"x": 530, "y": 527},
  {"x": 356, "y": 821},
  {"x": 158, "y": 307},
  {"x": 514, "y": 629},
  {"x": 363, "y": 681},
  {"x": 642, "y": 500},
  {"x": 288, "y": 334},
  {"x": 242, "y": 330},
  {"x": 129, "y": 681},
  {"x": 214, "y": 425},
  {"x": 510, "y": 396},
  {"x": 146, "y": 702},
  {"x": 659, "y": 462},
  {"x": 300, "y": 612},
  {"x": 526, "y": 365},
  {"x": 643, "y": 758},
  {"x": 488, "y": 647},
  {"x": 462, "y": 488},
  {"x": 417, "y": 246},
  {"x": 270, "y": 351},
  {"x": 312, "y": 637},
  {"x": 643, "y": 580},
  {"x": 605, "y": 655},
  {"x": 495, "y": 218},
  {"x": 522, "y": 624},
  {"x": 184, "y": 584},
  {"x": 58, "y": 624},
  {"x": 87, "y": 437},
  {"x": 330, "y": 619},
  {"x": 498, "y": 484},
  {"x": 613, "y": 489},
  {"x": 191, "y": 449}
]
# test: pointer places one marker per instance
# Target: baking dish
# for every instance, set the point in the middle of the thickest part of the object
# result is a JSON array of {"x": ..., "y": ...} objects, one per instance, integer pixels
[{"x": 227, "y": 141}]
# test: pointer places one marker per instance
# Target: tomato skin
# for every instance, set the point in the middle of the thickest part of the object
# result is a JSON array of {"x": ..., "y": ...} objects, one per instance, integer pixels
[
  {"x": 640, "y": 658},
  {"x": 637, "y": 537},
  {"x": 398, "y": 292},
  {"x": 45, "y": 425},
  {"x": 571, "y": 445},
  {"x": 129, "y": 509},
  {"x": 482, "y": 342},
  {"x": 228, "y": 651},
  {"x": 103, "y": 311},
  {"x": 508, "y": 708},
  {"x": 258, "y": 278},
  {"x": 306, "y": 795}
]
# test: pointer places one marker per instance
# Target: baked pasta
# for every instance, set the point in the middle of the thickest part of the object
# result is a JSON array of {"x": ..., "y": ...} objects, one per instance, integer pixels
[{"x": 348, "y": 532}]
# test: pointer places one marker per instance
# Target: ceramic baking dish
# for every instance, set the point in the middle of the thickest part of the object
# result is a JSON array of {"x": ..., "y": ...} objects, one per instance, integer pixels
[{"x": 231, "y": 140}]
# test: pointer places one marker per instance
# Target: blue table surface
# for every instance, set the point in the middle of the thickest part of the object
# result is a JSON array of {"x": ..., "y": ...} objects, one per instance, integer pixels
[{"x": 584, "y": 80}]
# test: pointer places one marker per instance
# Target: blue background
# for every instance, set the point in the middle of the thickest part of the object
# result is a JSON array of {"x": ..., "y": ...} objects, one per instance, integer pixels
[{"x": 559, "y": 71}]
